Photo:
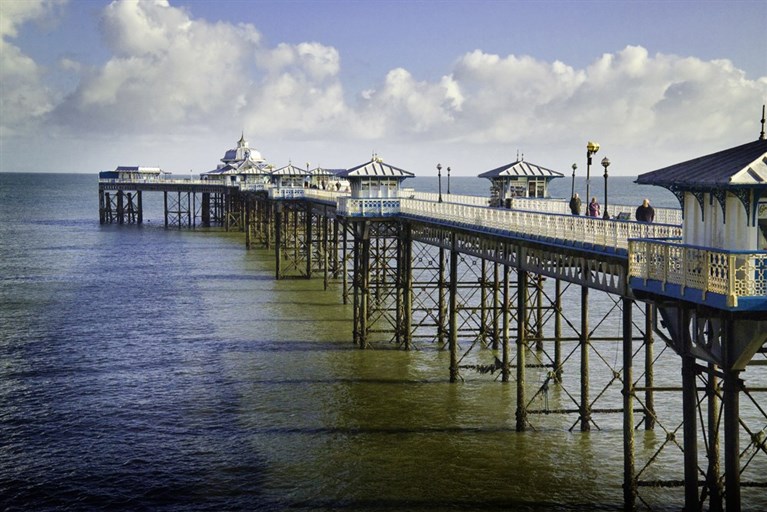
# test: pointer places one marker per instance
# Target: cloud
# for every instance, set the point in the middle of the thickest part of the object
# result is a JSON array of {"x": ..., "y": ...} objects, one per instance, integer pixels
[
  {"x": 170, "y": 75},
  {"x": 167, "y": 70},
  {"x": 23, "y": 96}
]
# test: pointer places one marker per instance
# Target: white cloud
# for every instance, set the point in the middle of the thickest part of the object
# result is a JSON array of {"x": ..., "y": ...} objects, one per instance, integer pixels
[
  {"x": 23, "y": 96},
  {"x": 172, "y": 76}
]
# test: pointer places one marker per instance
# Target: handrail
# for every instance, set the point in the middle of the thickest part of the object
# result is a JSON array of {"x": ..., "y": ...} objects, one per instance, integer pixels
[{"x": 571, "y": 229}]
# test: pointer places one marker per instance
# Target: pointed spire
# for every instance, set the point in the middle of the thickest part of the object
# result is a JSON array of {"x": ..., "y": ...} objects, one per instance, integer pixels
[{"x": 761, "y": 134}]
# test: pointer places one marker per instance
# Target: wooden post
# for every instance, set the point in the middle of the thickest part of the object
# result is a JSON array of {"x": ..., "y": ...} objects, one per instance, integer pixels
[
  {"x": 205, "y": 209},
  {"x": 120, "y": 207},
  {"x": 140, "y": 208}
]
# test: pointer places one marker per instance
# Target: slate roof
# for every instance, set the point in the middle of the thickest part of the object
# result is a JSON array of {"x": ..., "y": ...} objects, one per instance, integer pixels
[
  {"x": 741, "y": 166},
  {"x": 375, "y": 168},
  {"x": 136, "y": 168},
  {"x": 290, "y": 170},
  {"x": 321, "y": 171},
  {"x": 520, "y": 168}
]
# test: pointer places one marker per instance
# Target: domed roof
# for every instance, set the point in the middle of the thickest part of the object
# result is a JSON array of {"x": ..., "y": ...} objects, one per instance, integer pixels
[{"x": 242, "y": 153}]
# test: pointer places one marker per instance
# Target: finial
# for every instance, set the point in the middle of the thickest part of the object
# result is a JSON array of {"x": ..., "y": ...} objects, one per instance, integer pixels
[
  {"x": 761, "y": 134},
  {"x": 517, "y": 154},
  {"x": 523, "y": 157}
]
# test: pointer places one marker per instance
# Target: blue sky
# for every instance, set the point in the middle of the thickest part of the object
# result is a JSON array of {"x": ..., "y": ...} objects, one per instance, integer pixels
[{"x": 467, "y": 84}]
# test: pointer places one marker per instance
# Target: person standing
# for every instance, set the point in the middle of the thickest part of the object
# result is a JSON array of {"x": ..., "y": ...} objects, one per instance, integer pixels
[
  {"x": 575, "y": 204},
  {"x": 594, "y": 208},
  {"x": 645, "y": 213}
]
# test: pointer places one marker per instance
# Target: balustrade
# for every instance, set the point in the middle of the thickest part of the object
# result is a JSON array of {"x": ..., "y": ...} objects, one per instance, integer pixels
[{"x": 733, "y": 274}]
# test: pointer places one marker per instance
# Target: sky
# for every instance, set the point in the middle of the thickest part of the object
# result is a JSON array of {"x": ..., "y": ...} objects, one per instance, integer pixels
[{"x": 88, "y": 85}]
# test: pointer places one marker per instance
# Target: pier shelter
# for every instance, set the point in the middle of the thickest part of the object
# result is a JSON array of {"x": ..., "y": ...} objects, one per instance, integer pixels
[
  {"x": 288, "y": 182},
  {"x": 327, "y": 179},
  {"x": 241, "y": 164},
  {"x": 710, "y": 290},
  {"x": 375, "y": 189},
  {"x": 518, "y": 179},
  {"x": 134, "y": 173}
]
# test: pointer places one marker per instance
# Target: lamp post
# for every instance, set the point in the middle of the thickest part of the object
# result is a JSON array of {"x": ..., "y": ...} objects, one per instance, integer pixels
[
  {"x": 591, "y": 148},
  {"x": 572, "y": 189},
  {"x": 605, "y": 164},
  {"x": 439, "y": 180},
  {"x": 448, "y": 180}
]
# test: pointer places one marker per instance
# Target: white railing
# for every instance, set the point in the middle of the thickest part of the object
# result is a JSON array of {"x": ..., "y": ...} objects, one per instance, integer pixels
[
  {"x": 253, "y": 187},
  {"x": 446, "y": 198},
  {"x": 323, "y": 195},
  {"x": 569, "y": 229},
  {"x": 286, "y": 192},
  {"x": 165, "y": 180},
  {"x": 368, "y": 207},
  {"x": 662, "y": 215},
  {"x": 734, "y": 274}
]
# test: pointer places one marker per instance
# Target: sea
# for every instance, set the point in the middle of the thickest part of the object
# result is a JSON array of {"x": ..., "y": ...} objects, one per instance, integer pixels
[{"x": 144, "y": 368}]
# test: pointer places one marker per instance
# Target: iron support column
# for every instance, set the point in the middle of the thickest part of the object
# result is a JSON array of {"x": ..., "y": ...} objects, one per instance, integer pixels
[
  {"x": 689, "y": 417},
  {"x": 407, "y": 285},
  {"x": 649, "y": 372},
  {"x": 165, "y": 207},
  {"x": 497, "y": 304},
  {"x": 558, "y": 331},
  {"x": 309, "y": 239},
  {"x": 585, "y": 409},
  {"x": 441, "y": 298},
  {"x": 521, "y": 413},
  {"x": 629, "y": 478},
  {"x": 732, "y": 386},
  {"x": 364, "y": 269},
  {"x": 714, "y": 468},
  {"x": 453, "y": 328},
  {"x": 506, "y": 362},
  {"x": 539, "y": 313},
  {"x": 278, "y": 240}
]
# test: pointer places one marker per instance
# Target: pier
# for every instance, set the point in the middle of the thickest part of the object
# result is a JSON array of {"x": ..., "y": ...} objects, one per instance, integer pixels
[{"x": 487, "y": 284}]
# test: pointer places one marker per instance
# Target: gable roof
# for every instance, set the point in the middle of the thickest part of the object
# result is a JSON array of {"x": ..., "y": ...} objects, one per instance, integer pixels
[
  {"x": 375, "y": 168},
  {"x": 290, "y": 170},
  {"x": 321, "y": 171},
  {"x": 744, "y": 165},
  {"x": 521, "y": 168}
]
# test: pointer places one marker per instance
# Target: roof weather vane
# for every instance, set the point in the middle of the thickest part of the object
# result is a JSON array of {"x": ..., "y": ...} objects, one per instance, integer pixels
[{"x": 761, "y": 134}]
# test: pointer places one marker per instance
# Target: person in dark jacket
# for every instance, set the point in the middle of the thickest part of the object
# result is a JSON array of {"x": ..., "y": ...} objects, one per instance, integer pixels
[
  {"x": 645, "y": 213},
  {"x": 575, "y": 204}
]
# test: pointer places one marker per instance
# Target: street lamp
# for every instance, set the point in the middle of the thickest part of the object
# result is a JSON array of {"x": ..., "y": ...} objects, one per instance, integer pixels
[
  {"x": 591, "y": 148},
  {"x": 572, "y": 189},
  {"x": 448, "y": 180},
  {"x": 605, "y": 164},
  {"x": 439, "y": 180}
]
